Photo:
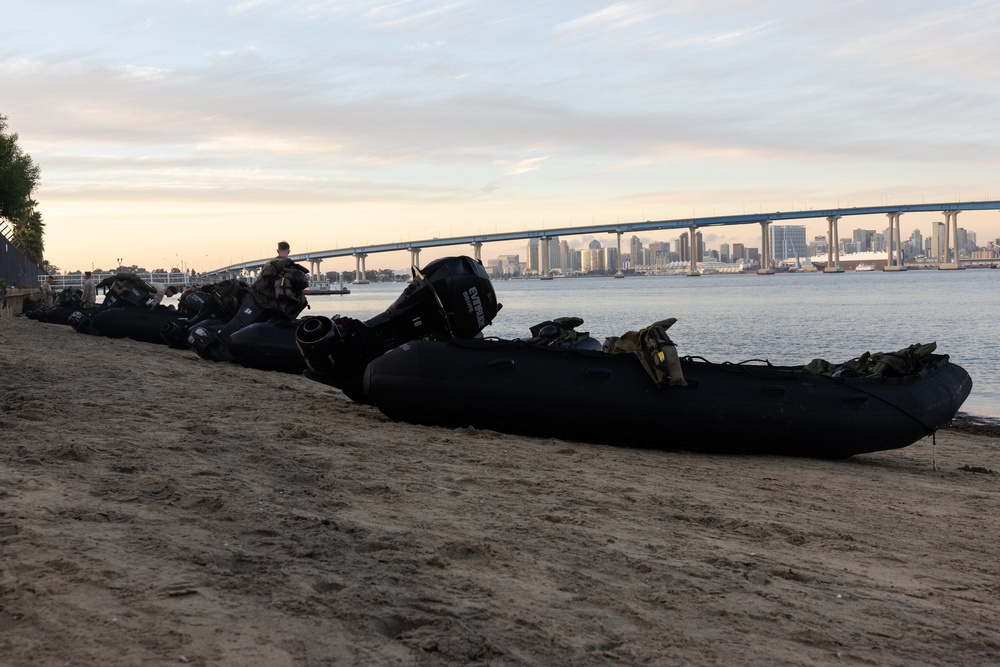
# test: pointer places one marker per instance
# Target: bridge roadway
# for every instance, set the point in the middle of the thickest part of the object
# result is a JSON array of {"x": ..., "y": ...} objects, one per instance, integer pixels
[{"x": 950, "y": 211}]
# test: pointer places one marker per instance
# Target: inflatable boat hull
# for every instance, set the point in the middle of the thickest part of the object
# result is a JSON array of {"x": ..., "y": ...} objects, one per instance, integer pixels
[
  {"x": 514, "y": 387},
  {"x": 137, "y": 323},
  {"x": 268, "y": 346}
]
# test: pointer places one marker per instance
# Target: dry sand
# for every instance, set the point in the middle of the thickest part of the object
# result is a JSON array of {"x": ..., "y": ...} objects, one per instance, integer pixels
[{"x": 157, "y": 509}]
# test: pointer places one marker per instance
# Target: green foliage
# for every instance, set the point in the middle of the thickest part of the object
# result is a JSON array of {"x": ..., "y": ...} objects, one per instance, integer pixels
[
  {"x": 18, "y": 179},
  {"x": 27, "y": 237}
]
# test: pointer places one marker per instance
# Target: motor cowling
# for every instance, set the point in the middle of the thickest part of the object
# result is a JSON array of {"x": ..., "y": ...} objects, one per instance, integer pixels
[
  {"x": 450, "y": 297},
  {"x": 206, "y": 343},
  {"x": 82, "y": 323}
]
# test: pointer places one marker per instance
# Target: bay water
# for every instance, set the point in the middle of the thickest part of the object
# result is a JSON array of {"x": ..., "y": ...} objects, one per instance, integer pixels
[{"x": 788, "y": 319}]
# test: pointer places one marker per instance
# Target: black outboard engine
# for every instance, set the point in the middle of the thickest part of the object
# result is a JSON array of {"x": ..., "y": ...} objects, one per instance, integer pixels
[
  {"x": 82, "y": 323},
  {"x": 191, "y": 307},
  {"x": 451, "y": 297}
]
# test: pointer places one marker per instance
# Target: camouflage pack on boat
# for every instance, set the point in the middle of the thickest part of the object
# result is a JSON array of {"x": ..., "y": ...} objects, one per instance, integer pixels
[
  {"x": 228, "y": 295},
  {"x": 280, "y": 287},
  {"x": 560, "y": 332},
  {"x": 877, "y": 364},
  {"x": 128, "y": 287},
  {"x": 655, "y": 351}
]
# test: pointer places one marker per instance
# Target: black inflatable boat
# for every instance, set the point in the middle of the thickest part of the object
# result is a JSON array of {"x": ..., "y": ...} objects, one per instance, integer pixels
[{"x": 595, "y": 396}]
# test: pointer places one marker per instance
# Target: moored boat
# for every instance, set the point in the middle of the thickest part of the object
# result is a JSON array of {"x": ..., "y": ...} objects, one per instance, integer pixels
[
  {"x": 322, "y": 288},
  {"x": 852, "y": 261}
]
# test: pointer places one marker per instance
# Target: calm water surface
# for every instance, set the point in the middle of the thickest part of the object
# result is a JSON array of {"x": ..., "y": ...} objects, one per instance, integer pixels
[{"x": 786, "y": 318}]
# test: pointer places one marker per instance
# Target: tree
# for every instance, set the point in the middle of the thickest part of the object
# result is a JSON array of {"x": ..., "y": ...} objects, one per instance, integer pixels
[
  {"x": 18, "y": 179},
  {"x": 27, "y": 237}
]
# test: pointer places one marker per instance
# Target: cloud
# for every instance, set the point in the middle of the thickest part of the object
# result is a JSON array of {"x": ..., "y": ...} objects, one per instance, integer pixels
[
  {"x": 521, "y": 166},
  {"x": 600, "y": 110}
]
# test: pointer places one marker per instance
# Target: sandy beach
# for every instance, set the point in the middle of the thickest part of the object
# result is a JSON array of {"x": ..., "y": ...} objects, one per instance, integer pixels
[{"x": 157, "y": 509}]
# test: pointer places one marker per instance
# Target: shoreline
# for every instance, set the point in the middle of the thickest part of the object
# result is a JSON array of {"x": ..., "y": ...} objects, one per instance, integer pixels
[{"x": 162, "y": 509}]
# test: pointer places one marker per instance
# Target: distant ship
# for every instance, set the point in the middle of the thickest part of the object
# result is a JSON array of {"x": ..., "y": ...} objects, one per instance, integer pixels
[
  {"x": 875, "y": 260},
  {"x": 323, "y": 288}
]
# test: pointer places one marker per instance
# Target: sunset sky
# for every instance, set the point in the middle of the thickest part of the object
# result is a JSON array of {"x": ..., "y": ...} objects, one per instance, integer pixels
[{"x": 202, "y": 132}]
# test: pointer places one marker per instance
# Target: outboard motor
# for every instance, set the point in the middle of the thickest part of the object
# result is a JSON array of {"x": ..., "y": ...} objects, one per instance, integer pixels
[
  {"x": 192, "y": 302},
  {"x": 82, "y": 323},
  {"x": 194, "y": 307},
  {"x": 202, "y": 339},
  {"x": 451, "y": 297}
]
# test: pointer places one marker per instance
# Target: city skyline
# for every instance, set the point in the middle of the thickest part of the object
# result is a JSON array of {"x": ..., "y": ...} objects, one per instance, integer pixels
[
  {"x": 492, "y": 252},
  {"x": 200, "y": 134}
]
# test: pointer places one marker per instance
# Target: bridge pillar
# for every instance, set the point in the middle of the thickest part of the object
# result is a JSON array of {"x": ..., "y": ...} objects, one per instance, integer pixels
[
  {"x": 693, "y": 269},
  {"x": 359, "y": 269},
  {"x": 950, "y": 238},
  {"x": 314, "y": 268},
  {"x": 543, "y": 250},
  {"x": 895, "y": 262},
  {"x": 477, "y": 250},
  {"x": 765, "y": 268},
  {"x": 832, "y": 246},
  {"x": 415, "y": 257}
]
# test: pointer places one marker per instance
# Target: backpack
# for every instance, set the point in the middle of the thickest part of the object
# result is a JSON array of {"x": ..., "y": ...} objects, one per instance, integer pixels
[
  {"x": 655, "y": 351},
  {"x": 876, "y": 364},
  {"x": 227, "y": 295},
  {"x": 280, "y": 287}
]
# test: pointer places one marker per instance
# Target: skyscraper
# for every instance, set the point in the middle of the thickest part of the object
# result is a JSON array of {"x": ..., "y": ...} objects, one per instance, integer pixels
[
  {"x": 534, "y": 265},
  {"x": 635, "y": 251},
  {"x": 787, "y": 241}
]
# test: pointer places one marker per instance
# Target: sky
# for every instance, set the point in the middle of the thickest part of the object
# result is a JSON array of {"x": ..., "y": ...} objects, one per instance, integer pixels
[{"x": 199, "y": 133}]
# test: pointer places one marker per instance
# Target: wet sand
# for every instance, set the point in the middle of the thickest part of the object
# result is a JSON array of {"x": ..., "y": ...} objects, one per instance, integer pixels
[{"x": 158, "y": 509}]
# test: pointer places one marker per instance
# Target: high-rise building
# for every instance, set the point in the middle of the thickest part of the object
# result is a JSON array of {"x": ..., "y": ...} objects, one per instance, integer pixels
[
  {"x": 966, "y": 242},
  {"x": 575, "y": 262},
  {"x": 818, "y": 246},
  {"x": 611, "y": 259},
  {"x": 864, "y": 239},
  {"x": 534, "y": 266},
  {"x": 917, "y": 242},
  {"x": 938, "y": 242},
  {"x": 555, "y": 256},
  {"x": 659, "y": 253},
  {"x": 592, "y": 259},
  {"x": 635, "y": 251},
  {"x": 787, "y": 241},
  {"x": 510, "y": 265},
  {"x": 739, "y": 252},
  {"x": 879, "y": 242}
]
